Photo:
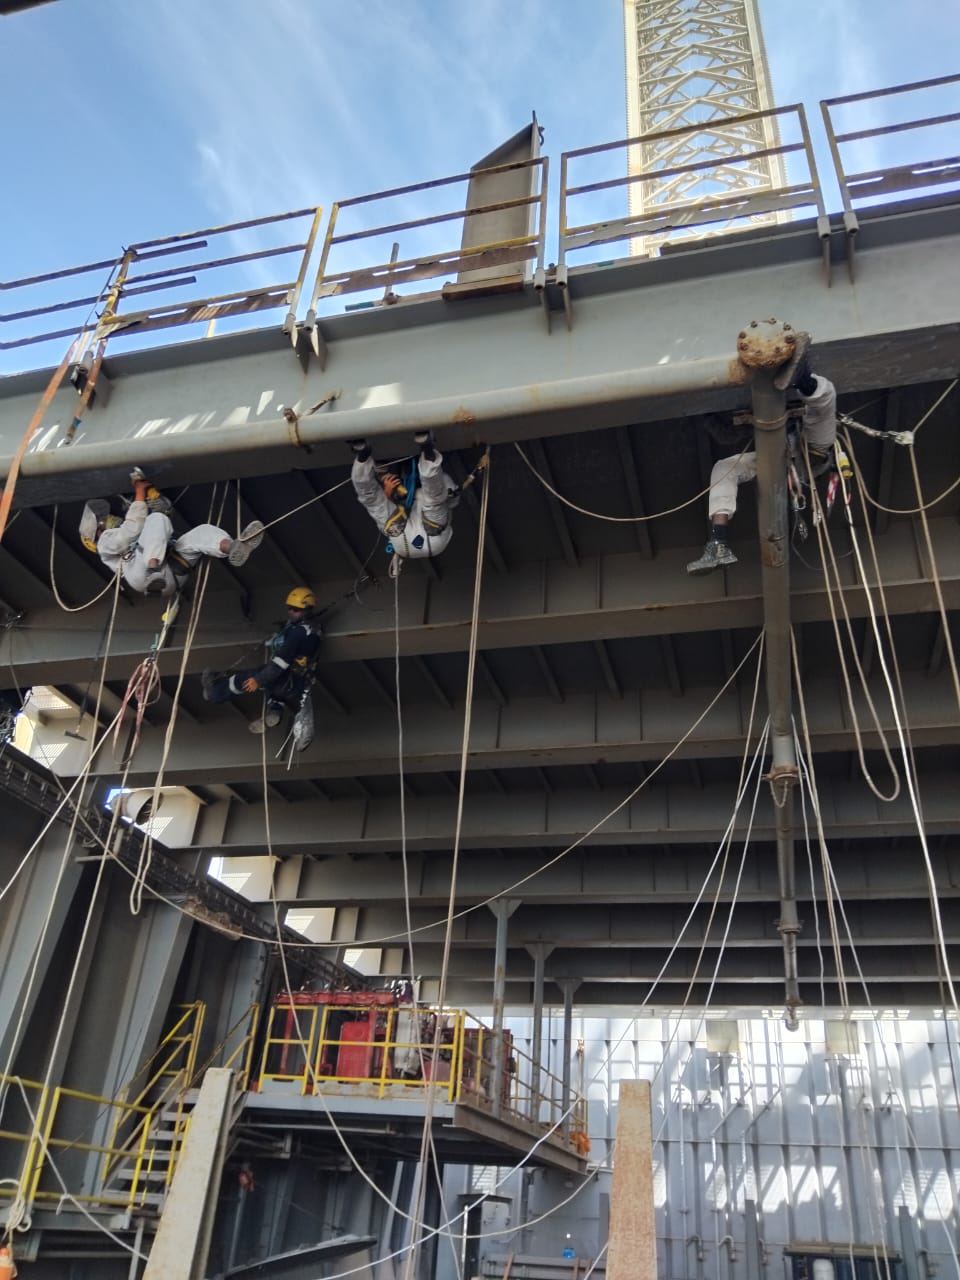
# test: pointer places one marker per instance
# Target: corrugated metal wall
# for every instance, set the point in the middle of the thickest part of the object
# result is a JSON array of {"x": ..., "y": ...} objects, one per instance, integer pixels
[{"x": 828, "y": 1130}]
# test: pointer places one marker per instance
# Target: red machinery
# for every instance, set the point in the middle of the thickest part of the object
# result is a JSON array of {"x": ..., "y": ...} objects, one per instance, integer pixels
[{"x": 376, "y": 1035}]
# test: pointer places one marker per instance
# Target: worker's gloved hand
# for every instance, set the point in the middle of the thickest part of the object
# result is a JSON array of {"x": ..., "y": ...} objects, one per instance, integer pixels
[
  {"x": 250, "y": 685},
  {"x": 795, "y": 372}
]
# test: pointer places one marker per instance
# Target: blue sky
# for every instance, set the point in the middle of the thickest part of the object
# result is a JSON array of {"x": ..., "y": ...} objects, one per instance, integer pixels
[{"x": 129, "y": 119}]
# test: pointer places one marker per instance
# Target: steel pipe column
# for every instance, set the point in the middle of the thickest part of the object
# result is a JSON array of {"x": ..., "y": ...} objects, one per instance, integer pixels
[
  {"x": 568, "y": 986},
  {"x": 539, "y": 951},
  {"x": 766, "y": 347},
  {"x": 502, "y": 909}
]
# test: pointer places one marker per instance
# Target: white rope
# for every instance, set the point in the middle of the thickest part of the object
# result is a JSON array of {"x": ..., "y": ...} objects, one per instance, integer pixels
[
  {"x": 412, "y": 1259},
  {"x": 908, "y": 771},
  {"x": 836, "y": 589},
  {"x": 656, "y": 515},
  {"x": 67, "y": 608},
  {"x": 437, "y": 1170},
  {"x": 806, "y": 766}
]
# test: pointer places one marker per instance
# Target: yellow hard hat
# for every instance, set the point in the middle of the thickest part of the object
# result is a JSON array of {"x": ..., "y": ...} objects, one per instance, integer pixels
[{"x": 301, "y": 598}]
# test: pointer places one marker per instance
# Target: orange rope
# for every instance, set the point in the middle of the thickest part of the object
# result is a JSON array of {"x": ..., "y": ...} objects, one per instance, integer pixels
[{"x": 6, "y": 498}]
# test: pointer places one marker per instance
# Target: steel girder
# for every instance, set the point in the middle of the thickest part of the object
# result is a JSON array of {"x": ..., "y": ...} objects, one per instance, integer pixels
[
  {"x": 667, "y": 814},
  {"x": 493, "y": 372},
  {"x": 604, "y": 598},
  {"x": 587, "y": 729},
  {"x": 616, "y": 895}
]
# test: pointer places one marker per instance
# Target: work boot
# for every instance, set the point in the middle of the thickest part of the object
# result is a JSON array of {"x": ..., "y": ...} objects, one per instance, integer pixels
[
  {"x": 269, "y": 720},
  {"x": 208, "y": 678},
  {"x": 426, "y": 442},
  {"x": 249, "y": 540},
  {"x": 156, "y": 578},
  {"x": 361, "y": 449},
  {"x": 716, "y": 554}
]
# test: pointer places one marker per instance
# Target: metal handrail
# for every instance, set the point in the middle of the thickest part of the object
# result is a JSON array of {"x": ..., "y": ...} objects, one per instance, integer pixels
[
  {"x": 468, "y": 1046},
  {"x": 685, "y": 214},
  {"x": 528, "y": 248},
  {"x": 177, "y": 1078},
  {"x": 250, "y": 1018},
  {"x": 912, "y": 176},
  {"x": 42, "y": 1140},
  {"x": 177, "y": 273}
]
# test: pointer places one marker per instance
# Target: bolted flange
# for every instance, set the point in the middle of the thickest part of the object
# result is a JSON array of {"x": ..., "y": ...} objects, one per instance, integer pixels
[{"x": 766, "y": 344}]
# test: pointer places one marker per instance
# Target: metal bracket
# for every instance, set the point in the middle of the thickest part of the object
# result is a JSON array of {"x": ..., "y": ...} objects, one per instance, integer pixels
[
  {"x": 306, "y": 340},
  {"x": 851, "y": 226},
  {"x": 79, "y": 375}
]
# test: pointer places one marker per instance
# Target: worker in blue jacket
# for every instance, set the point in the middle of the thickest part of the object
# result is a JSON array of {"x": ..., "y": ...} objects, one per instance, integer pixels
[{"x": 283, "y": 678}]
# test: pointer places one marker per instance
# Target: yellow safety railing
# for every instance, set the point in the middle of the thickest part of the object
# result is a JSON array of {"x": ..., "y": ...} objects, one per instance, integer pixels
[
  {"x": 240, "y": 1058},
  {"x": 382, "y": 1051},
  {"x": 162, "y": 1079},
  {"x": 137, "y": 1144},
  {"x": 50, "y": 1133}
]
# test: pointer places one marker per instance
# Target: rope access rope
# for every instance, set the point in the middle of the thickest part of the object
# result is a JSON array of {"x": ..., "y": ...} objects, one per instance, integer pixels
[
  {"x": 17, "y": 1218},
  {"x": 911, "y": 785},
  {"x": 146, "y": 849},
  {"x": 906, "y": 511},
  {"x": 413, "y": 1257},
  {"x": 550, "y": 862},
  {"x": 597, "y": 515},
  {"x": 406, "y": 910},
  {"x": 67, "y": 608},
  {"x": 445, "y": 1227},
  {"x": 824, "y": 541},
  {"x": 728, "y": 835},
  {"x": 830, "y": 878}
]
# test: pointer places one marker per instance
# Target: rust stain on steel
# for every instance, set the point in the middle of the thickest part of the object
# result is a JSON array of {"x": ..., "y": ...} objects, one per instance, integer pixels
[
  {"x": 462, "y": 414},
  {"x": 772, "y": 552},
  {"x": 737, "y": 371},
  {"x": 765, "y": 344}
]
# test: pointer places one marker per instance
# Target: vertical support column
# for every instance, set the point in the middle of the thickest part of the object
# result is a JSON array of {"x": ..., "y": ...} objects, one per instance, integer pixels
[
  {"x": 432, "y": 1209},
  {"x": 766, "y": 347},
  {"x": 503, "y": 909},
  {"x": 33, "y": 917},
  {"x": 751, "y": 1249},
  {"x": 568, "y": 986},
  {"x": 632, "y": 1249},
  {"x": 539, "y": 951}
]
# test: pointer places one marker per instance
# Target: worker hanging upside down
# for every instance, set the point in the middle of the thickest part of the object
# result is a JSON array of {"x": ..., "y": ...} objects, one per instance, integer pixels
[
  {"x": 818, "y": 431},
  {"x": 142, "y": 545},
  {"x": 284, "y": 678},
  {"x": 412, "y": 503}
]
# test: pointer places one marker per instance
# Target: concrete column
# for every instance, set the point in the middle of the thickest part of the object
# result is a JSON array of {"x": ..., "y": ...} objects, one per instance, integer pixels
[
  {"x": 503, "y": 909},
  {"x": 568, "y": 986},
  {"x": 632, "y": 1249},
  {"x": 539, "y": 951},
  {"x": 183, "y": 1238}
]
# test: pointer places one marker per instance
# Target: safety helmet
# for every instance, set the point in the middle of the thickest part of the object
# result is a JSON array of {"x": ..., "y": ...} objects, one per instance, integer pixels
[
  {"x": 301, "y": 598},
  {"x": 95, "y": 518}
]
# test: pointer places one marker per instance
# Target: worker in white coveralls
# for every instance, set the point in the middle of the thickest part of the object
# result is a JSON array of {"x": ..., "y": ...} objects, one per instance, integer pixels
[
  {"x": 411, "y": 504},
  {"x": 143, "y": 547},
  {"x": 818, "y": 431}
]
